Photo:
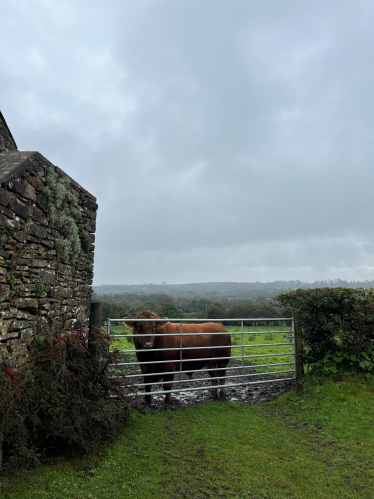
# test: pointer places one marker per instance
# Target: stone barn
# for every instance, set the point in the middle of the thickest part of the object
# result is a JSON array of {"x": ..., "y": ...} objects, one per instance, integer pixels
[{"x": 47, "y": 226}]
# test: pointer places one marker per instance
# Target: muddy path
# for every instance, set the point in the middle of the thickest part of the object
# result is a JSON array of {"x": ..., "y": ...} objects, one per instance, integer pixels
[{"x": 258, "y": 388}]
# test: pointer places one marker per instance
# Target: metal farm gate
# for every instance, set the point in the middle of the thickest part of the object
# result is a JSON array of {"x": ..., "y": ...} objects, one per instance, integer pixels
[{"x": 240, "y": 371}]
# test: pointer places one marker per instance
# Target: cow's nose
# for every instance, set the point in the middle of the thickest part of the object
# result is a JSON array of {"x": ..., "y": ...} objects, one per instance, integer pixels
[{"x": 148, "y": 345}]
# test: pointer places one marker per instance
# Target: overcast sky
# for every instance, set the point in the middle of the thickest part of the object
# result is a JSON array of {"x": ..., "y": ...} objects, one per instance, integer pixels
[{"x": 224, "y": 140}]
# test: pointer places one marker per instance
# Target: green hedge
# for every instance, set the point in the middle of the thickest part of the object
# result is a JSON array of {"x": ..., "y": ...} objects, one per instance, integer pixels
[{"x": 332, "y": 320}]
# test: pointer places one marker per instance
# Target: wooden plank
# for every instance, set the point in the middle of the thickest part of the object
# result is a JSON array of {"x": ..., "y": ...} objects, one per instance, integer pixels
[
  {"x": 95, "y": 323},
  {"x": 1, "y": 449},
  {"x": 298, "y": 348}
]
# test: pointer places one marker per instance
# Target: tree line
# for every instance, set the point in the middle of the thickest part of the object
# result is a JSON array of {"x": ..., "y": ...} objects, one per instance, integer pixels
[
  {"x": 216, "y": 290},
  {"x": 177, "y": 307}
]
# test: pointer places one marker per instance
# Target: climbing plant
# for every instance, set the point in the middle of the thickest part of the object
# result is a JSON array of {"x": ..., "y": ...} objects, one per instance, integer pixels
[
  {"x": 85, "y": 243},
  {"x": 5, "y": 231},
  {"x": 64, "y": 212}
]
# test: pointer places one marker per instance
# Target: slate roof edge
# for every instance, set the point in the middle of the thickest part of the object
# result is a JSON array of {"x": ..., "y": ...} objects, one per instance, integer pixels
[
  {"x": 6, "y": 126},
  {"x": 18, "y": 169},
  {"x": 21, "y": 168}
]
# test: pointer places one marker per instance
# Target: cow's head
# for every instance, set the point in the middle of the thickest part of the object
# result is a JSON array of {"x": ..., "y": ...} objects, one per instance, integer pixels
[{"x": 146, "y": 330}]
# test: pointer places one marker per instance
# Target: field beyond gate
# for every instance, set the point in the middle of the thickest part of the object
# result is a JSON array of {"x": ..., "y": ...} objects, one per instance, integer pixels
[{"x": 260, "y": 354}]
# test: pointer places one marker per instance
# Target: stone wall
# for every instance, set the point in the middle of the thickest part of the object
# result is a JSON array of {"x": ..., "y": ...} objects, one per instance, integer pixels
[
  {"x": 42, "y": 286},
  {"x": 7, "y": 142}
]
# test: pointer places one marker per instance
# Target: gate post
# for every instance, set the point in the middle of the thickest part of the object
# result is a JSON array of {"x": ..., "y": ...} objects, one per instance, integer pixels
[
  {"x": 95, "y": 323},
  {"x": 299, "y": 365},
  {"x": 1, "y": 449}
]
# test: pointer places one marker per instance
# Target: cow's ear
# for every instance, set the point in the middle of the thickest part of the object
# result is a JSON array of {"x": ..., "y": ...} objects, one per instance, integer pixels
[
  {"x": 160, "y": 324},
  {"x": 128, "y": 324}
]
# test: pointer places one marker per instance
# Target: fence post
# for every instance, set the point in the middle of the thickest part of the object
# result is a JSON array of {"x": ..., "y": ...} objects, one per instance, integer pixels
[
  {"x": 1, "y": 449},
  {"x": 95, "y": 323},
  {"x": 298, "y": 348}
]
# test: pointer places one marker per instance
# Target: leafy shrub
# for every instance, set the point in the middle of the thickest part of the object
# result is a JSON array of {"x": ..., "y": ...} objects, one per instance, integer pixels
[
  {"x": 340, "y": 362},
  {"x": 70, "y": 402},
  {"x": 332, "y": 320}
]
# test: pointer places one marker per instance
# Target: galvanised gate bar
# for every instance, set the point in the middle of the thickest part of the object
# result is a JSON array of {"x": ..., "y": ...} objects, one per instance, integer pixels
[{"x": 181, "y": 384}]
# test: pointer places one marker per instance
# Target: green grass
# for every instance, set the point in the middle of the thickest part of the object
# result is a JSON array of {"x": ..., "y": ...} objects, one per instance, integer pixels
[
  {"x": 257, "y": 339},
  {"x": 249, "y": 338},
  {"x": 122, "y": 343},
  {"x": 317, "y": 444}
]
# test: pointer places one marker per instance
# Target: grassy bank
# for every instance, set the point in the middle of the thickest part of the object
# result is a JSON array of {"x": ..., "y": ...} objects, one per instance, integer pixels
[{"x": 316, "y": 444}]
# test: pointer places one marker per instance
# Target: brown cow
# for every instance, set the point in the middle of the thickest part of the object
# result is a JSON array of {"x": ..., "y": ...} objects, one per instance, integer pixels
[{"x": 150, "y": 339}]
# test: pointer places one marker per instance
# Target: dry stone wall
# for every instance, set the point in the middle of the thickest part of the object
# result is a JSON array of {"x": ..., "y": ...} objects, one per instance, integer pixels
[
  {"x": 46, "y": 259},
  {"x": 7, "y": 142}
]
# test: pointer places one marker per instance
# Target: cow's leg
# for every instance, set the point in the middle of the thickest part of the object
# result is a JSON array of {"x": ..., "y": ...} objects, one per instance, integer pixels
[
  {"x": 168, "y": 385},
  {"x": 148, "y": 388},
  {"x": 222, "y": 364},
  {"x": 213, "y": 374}
]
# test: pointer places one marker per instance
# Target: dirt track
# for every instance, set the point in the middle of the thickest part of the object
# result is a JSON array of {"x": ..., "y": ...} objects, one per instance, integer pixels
[{"x": 250, "y": 393}]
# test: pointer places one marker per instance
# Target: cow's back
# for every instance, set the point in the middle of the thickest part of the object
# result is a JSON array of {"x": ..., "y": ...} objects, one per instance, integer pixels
[{"x": 194, "y": 336}]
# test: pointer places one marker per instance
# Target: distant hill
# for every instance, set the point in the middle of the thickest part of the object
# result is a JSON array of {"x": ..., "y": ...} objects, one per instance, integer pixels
[{"x": 224, "y": 289}]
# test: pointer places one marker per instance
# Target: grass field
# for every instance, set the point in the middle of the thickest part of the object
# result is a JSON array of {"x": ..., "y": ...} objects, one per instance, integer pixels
[
  {"x": 249, "y": 339},
  {"x": 317, "y": 444}
]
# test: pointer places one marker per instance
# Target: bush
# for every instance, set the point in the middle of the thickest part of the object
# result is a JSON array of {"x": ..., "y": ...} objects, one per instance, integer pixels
[
  {"x": 70, "y": 402},
  {"x": 332, "y": 320},
  {"x": 342, "y": 363}
]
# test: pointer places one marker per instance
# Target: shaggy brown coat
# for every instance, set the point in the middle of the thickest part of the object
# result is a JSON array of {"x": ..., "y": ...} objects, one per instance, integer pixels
[{"x": 193, "y": 335}]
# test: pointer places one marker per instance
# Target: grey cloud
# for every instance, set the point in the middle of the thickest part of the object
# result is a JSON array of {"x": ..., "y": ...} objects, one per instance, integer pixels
[
  {"x": 209, "y": 133},
  {"x": 306, "y": 259}
]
